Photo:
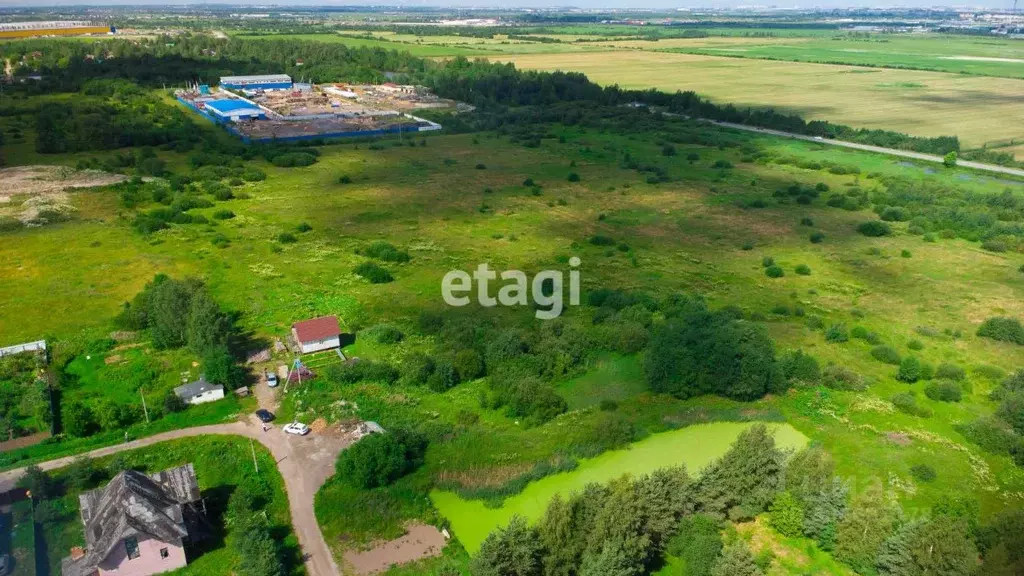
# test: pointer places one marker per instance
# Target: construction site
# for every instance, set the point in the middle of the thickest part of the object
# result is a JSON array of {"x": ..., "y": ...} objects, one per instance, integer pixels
[{"x": 273, "y": 108}]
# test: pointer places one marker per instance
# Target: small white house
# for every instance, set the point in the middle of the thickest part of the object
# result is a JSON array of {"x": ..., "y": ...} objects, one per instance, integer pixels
[
  {"x": 199, "y": 392},
  {"x": 317, "y": 334}
]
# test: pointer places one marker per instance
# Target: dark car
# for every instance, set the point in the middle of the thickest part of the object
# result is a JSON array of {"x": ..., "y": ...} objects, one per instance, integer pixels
[{"x": 264, "y": 415}]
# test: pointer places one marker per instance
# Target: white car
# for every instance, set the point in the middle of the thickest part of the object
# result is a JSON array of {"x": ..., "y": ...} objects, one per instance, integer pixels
[
  {"x": 271, "y": 379},
  {"x": 296, "y": 428}
]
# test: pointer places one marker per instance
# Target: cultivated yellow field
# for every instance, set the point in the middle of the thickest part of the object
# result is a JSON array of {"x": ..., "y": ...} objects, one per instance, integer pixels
[{"x": 976, "y": 109}]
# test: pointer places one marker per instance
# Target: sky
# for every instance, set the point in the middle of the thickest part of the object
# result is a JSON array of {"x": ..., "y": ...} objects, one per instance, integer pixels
[{"x": 587, "y": 4}]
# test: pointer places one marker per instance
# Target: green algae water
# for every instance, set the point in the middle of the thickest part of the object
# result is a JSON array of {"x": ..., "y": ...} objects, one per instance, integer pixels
[{"x": 695, "y": 446}]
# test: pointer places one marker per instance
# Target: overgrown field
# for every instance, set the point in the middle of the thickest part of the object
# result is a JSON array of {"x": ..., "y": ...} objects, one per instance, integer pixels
[
  {"x": 978, "y": 110},
  {"x": 772, "y": 228}
]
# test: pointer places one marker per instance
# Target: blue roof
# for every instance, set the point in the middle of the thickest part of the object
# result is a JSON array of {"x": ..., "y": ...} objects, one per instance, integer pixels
[{"x": 228, "y": 106}]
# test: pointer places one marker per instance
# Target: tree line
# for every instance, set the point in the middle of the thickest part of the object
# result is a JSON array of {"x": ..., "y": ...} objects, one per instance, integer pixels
[
  {"x": 66, "y": 66},
  {"x": 627, "y": 527}
]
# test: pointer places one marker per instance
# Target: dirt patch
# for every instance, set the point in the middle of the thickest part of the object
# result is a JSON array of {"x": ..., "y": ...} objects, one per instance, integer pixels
[
  {"x": 112, "y": 359},
  {"x": 36, "y": 195},
  {"x": 898, "y": 438},
  {"x": 24, "y": 441},
  {"x": 420, "y": 541},
  {"x": 44, "y": 179},
  {"x": 318, "y": 425}
]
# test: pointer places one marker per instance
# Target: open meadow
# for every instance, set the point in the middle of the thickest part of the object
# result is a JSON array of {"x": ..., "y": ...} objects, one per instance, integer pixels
[
  {"x": 290, "y": 246},
  {"x": 978, "y": 110}
]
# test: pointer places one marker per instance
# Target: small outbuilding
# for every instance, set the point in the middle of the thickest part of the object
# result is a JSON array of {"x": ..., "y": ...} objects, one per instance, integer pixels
[
  {"x": 199, "y": 392},
  {"x": 317, "y": 334}
]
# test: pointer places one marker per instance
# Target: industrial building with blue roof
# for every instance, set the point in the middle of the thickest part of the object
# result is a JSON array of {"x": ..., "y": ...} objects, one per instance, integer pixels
[
  {"x": 234, "y": 110},
  {"x": 260, "y": 82}
]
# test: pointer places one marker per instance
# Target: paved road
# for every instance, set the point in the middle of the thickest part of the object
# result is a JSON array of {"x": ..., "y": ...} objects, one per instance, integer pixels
[
  {"x": 305, "y": 463},
  {"x": 878, "y": 149}
]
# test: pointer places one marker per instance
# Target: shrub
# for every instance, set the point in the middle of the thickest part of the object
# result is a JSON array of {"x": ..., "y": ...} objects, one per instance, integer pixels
[
  {"x": 905, "y": 254},
  {"x": 573, "y": 177},
  {"x": 293, "y": 159},
  {"x": 817, "y": 238},
  {"x": 915, "y": 345},
  {"x": 468, "y": 364},
  {"x": 774, "y": 272},
  {"x": 599, "y": 240},
  {"x": 381, "y": 250},
  {"x": 481, "y": 166},
  {"x": 994, "y": 245},
  {"x": 384, "y": 334},
  {"x": 906, "y": 402},
  {"x": 799, "y": 366},
  {"x": 944, "y": 391},
  {"x": 303, "y": 227},
  {"x": 842, "y": 378},
  {"x": 374, "y": 273},
  {"x": 803, "y": 269},
  {"x": 722, "y": 164},
  {"x": 224, "y": 214},
  {"x": 767, "y": 261},
  {"x": 806, "y": 222},
  {"x": 1002, "y": 329},
  {"x": 252, "y": 174},
  {"x": 837, "y": 333},
  {"x": 380, "y": 459},
  {"x": 910, "y": 370},
  {"x": 948, "y": 371},
  {"x": 894, "y": 214},
  {"x": 345, "y": 179},
  {"x": 886, "y": 354},
  {"x": 815, "y": 322},
  {"x": 287, "y": 238},
  {"x": 923, "y": 472},
  {"x": 874, "y": 228}
]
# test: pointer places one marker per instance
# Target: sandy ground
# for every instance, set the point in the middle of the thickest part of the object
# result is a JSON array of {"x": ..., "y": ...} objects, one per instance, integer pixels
[
  {"x": 44, "y": 179},
  {"x": 28, "y": 191},
  {"x": 420, "y": 541}
]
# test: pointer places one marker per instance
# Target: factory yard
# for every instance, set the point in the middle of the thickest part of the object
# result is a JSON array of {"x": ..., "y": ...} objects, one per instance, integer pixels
[{"x": 271, "y": 107}]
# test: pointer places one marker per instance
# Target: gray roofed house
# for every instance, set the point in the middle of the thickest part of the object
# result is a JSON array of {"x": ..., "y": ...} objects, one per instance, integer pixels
[
  {"x": 199, "y": 391},
  {"x": 138, "y": 524}
]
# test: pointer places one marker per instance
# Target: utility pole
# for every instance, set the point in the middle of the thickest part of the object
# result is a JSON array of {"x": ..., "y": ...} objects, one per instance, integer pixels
[
  {"x": 252, "y": 447},
  {"x": 144, "y": 409}
]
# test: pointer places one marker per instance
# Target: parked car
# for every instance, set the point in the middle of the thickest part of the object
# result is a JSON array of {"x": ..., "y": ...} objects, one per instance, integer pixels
[
  {"x": 296, "y": 428},
  {"x": 264, "y": 415},
  {"x": 271, "y": 379}
]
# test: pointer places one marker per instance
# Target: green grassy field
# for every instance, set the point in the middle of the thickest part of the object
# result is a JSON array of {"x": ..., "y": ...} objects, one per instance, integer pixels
[
  {"x": 705, "y": 231},
  {"x": 978, "y": 110},
  {"x": 941, "y": 53}
]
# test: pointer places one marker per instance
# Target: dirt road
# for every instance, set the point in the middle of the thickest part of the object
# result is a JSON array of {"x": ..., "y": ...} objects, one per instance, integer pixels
[
  {"x": 866, "y": 147},
  {"x": 305, "y": 463}
]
